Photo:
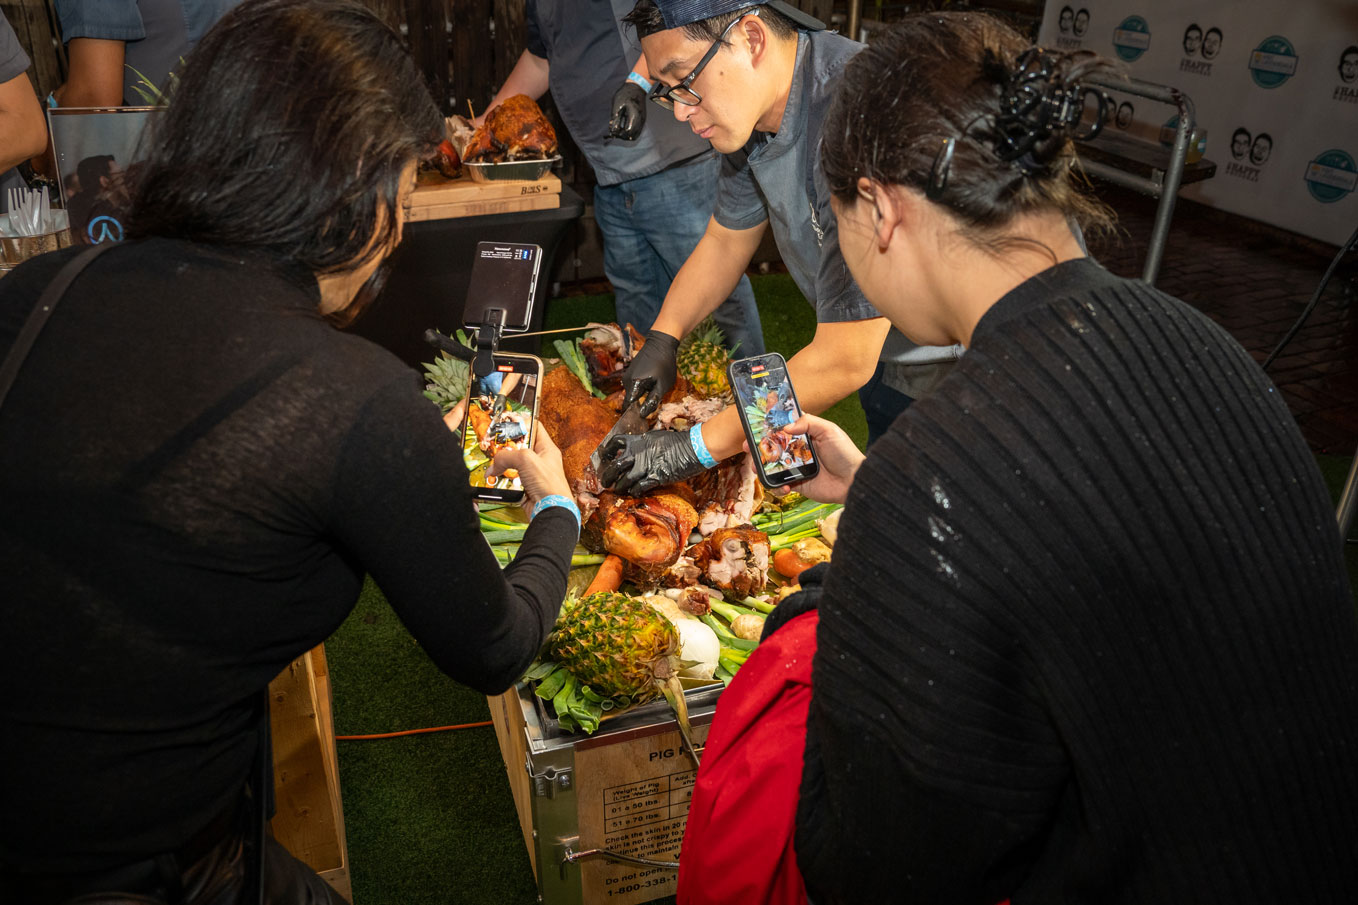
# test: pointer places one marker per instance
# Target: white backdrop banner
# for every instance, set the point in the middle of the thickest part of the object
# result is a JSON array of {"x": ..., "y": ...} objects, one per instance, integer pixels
[{"x": 1274, "y": 84}]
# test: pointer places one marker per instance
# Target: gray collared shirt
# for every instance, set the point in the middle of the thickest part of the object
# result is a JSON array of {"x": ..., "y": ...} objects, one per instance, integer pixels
[
  {"x": 776, "y": 177},
  {"x": 589, "y": 53}
]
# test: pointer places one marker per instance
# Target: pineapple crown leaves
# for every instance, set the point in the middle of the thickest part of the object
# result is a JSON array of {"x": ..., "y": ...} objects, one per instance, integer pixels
[
  {"x": 446, "y": 377},
  {"x": 706, "y": 332}
]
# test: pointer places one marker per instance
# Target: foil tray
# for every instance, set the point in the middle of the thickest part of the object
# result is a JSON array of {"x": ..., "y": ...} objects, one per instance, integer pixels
[{"x": 515, "y": 170}]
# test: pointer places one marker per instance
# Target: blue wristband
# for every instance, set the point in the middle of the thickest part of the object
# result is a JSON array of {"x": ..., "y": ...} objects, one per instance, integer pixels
[
  {"x": 639, "y": 79},
  {"x": 557, "y": 499},
  {"x": 695, "y": 439}
]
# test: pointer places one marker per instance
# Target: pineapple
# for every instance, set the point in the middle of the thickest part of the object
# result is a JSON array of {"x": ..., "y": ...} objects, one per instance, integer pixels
[
  {"x": 620, "y": 646},
  {"x": 447, "y": 378},
  {"x": 702, "y": 359}
]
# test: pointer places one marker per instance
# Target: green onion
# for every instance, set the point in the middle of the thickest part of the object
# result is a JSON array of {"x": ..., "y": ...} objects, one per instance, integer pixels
[
  {"x": 540, "y": 670},
  {"x": 724, "y": 635},
  {"x": 729, "y": 611},
  {"x": 552, "y": 684},
  {"x": 758, "y": 604},
  {"x": 735, "y": 656},
  {"x": 731, "y": 666}
]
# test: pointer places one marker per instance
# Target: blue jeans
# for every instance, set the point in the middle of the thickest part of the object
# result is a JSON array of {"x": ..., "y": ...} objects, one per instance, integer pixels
[{"x": 650, "y": 226}]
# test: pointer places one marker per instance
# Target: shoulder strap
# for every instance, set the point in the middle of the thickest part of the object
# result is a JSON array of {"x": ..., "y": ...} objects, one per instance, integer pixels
[{"x": 37, "y": 318}]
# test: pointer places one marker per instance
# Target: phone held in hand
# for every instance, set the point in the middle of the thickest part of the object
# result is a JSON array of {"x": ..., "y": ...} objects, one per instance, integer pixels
[
  {"x": 502, "y": 412},
  {"x": 767, "y": 406}
]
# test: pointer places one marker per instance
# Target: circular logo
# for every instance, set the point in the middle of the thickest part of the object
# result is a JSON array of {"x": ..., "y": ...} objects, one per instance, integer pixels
[
  {"x": 104, "y": 229},
  {"x": 1273, "y": 62},
  {"x": 1332, "y": 176},
  {"x": 1132, "y": 38}
]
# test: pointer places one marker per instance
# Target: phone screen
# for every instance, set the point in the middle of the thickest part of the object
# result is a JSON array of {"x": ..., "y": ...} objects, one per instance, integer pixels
[
  {"x": 501, "y": 411},
  {"x": 767, "y": 406}
]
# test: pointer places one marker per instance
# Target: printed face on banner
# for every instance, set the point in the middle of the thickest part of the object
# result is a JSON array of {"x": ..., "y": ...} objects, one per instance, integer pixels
[
  {"x": 1240, "y": 143},
  {"x": 1348, "y": 65},
  {"x": 1081, "y": 22},
  {"x": 1192, "y": 39},
  {"x": 1211, "y": 43},
  {"x": 1261, "y": 148},
  {"x": 1066, "y": 20}
]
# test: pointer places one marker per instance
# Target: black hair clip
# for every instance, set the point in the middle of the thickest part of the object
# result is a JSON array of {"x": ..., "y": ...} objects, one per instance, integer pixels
[
  {"x": 1039, "y": 103},
  {"x": 938, "y": 173}
]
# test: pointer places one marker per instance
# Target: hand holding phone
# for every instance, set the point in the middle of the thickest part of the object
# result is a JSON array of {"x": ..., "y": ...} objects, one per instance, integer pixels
[
  {"x": 837, "y": 455},
  {"x": 500, "y": 416},
  {"x": 539, "y": 470},
  {"x": 768, "y": 407}
]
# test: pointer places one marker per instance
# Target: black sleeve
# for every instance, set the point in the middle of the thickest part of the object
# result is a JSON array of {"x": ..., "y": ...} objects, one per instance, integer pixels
[
  {"x": 930, "y": 765},
  {"x": 403, "y": 509}
]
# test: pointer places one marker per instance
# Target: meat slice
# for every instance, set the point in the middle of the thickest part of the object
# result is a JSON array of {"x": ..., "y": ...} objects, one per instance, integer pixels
[{"x": 734, "y": 560}]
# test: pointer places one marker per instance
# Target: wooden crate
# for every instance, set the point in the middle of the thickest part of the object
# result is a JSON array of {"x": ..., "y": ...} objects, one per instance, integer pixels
[
  {"x": 309, "y": 816},
  {"x": 626, "y": 789}
]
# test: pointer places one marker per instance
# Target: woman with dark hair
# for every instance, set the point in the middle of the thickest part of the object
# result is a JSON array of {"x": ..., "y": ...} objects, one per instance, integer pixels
[
  {"x": 1086, "y": 634},
  {"x": 197, "y": 470}
]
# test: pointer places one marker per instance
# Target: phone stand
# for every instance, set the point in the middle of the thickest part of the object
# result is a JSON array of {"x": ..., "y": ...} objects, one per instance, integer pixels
[{"x": 488, "y": 335}]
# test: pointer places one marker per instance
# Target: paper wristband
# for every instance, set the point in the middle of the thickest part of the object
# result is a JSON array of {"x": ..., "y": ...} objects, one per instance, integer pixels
[
  {"x": 695, "y": 439},
  {"x": 557, "y": 499},
  {"x": 639, "y": 79}
]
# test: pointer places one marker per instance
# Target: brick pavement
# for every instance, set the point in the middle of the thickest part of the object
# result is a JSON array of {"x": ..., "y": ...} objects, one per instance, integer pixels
[{"x": 1255, "y": 282}]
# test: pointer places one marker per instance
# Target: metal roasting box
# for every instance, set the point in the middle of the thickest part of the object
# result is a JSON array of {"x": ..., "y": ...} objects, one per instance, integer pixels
[{"x": 602, "y": 815}]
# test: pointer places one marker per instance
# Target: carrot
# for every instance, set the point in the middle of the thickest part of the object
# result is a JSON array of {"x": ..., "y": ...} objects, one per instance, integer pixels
[
  {"x": 793, "y": 560},
  {"x": 608, "y": 578}
]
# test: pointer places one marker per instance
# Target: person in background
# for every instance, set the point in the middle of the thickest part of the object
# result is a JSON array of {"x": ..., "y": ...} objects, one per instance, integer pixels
[
  {"x": 197, "y": 503},
  {"x": 655, "y": 180},
  {"x": 23, "y": 130},
  {"x": 116, "y": 47},
  {"x": 756, "y": 80},
  {"x": 1086, "y": 634}
]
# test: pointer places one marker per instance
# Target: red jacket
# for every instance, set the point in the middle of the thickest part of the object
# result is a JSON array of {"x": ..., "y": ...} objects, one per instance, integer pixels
[{"x": 738, "y": 841}]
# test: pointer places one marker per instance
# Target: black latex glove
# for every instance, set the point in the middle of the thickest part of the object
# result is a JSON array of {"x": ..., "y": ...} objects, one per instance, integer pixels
[
  {"x": 651, "y": 372},
  {"x": 629, "y": 112},
  {"x": 636, "y": 463}
]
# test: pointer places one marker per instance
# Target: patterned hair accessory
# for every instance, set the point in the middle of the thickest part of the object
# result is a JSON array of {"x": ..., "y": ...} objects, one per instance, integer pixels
[{"x": 1039, "y": 103}]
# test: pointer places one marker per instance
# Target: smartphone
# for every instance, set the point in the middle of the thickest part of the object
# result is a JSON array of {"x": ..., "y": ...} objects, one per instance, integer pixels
[
  {"x": 767, "y": 405},
  {"x": 502, "y": 413}
]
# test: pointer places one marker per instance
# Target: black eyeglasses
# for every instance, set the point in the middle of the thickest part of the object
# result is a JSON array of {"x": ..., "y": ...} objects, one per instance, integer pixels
[{"x": 667, "y": 95}]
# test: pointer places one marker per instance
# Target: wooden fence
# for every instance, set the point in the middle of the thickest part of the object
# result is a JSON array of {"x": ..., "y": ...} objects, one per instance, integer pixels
[{"x": 466, "y": 48}]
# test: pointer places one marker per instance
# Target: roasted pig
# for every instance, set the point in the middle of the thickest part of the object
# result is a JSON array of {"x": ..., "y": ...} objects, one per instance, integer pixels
[{"x": 735, "y": 561}]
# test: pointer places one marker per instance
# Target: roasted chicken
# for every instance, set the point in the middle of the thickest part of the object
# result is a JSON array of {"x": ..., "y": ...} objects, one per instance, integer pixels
[{"x": 515, "y": 130}]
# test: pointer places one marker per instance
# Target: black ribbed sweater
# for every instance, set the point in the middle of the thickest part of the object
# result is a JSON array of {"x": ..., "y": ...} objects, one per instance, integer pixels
[
  {"x": 196, "y": 472},
  {"x": 1086, "y": 636}
]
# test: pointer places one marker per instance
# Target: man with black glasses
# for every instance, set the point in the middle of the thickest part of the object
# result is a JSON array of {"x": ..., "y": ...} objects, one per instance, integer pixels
[
  {"x": 655, "y": 181},
  {"x": 755, "y": 79}
]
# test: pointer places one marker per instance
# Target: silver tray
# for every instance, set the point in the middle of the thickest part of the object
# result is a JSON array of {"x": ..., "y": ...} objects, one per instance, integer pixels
[{"x": 516, "y": 170}]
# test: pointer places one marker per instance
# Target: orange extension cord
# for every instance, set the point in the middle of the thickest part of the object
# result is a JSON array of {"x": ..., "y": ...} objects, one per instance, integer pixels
[{"x": 359, "y": 738}]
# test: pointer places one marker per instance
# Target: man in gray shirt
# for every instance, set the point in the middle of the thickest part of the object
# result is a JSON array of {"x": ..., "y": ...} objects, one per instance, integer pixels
[
  {"x": 23, "y": 131},
  {"x": 656, "y": 180},
  {"x": 755, "y": 79}
]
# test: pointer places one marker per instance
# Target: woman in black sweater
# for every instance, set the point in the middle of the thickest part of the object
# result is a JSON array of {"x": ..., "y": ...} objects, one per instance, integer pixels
[
  {"x": 1086, "y": 636},
  {"x": 197, "y": 469}
]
